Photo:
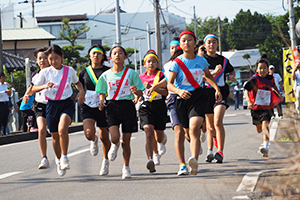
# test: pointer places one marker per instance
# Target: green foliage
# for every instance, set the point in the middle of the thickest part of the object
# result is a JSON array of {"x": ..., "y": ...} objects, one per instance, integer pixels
[
  {"x": 19, "y": 80},
  {"x": 243, "y": 68},
  {"x": 285, "y": 140},
  {"x": 131, "y": 66},
  {"x": 130, "y": 52},
  {"x": 106, "y": 48}
]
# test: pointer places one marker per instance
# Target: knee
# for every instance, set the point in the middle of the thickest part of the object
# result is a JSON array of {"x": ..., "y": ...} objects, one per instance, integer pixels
[{"x": 218, "y": 123}]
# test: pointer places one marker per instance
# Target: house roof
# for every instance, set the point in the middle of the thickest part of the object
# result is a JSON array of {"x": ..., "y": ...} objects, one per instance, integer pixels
[
  {"x": 26, "y": 34},
  {"x": 236, "y": 57},
  {"x": 15, "y": 62},
  {"x": 60, "y": 18}
]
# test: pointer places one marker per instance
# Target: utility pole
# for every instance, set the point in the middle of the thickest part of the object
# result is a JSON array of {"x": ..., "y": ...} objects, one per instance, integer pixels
[
  {"x": 141, "y": 61},
  {"x": 157, "y": 32},
  {"x": 21, "y": 20},
  {"x": 1, "y": 48},
  {"x": 135, "y": 65},
  {"x": 167, "y": 6},
  {"x": 195, "y": 21},
  {"x": 148, "y": 36},
  {"x": 32, "y": 1},
  {"x": 118, "y": 28},
  {"x": 292, "y": 24},
  {"x": 219, "y": 33}
]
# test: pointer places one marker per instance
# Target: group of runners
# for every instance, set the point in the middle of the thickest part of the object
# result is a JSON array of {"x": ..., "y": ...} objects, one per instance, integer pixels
[{"x": 191, "y": 85}]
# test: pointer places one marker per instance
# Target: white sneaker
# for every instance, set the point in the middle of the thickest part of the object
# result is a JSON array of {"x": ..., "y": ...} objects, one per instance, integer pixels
[
  {"x": 104, "y": 167},
  {"x": 150, "y": 166},
  {"x": 60, "y": 171},
  {"x": 209, "y": 156},
  {"x": 112, "y": 154},
  {"x": 156, "y": 159},
  {"x": 164, "y": 142},
  {"x": 183, "y": 170},
  {"x": 94, "y": 146},
  {"x": 201, "y": 151},
  {"x": 44, "y": 163},
  {"x": 263, "y": 150},
  {"x": 64, "y": 163},
  {"x": 126, "y": 172},
  {"x": 203, "y": 137},
  {"x": 193, "y": 165},
  {"x": 161, "y": 149}
]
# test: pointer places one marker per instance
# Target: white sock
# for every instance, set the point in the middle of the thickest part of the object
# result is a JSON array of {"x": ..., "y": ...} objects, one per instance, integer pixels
[
  {"x": 209, "y": 152},
  {"x": 126, "y": 167},
  {"x": 64, "y": 157},
  {"x": 266, "y": 144}
]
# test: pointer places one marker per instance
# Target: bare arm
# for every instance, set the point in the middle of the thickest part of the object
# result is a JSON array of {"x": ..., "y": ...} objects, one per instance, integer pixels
[
  {"x": 81, "y": 93},
  {"x": 250, "y": 104},
  {"x": 182, "y": 93},
  {"x": 102, "y": 98},
  {"x": 161, "y": 84},
  {"x": 37, "y": 88}
]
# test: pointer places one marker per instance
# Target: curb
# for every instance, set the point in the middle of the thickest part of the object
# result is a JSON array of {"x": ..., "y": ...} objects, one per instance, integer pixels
[{"x": 20, "y": 137}]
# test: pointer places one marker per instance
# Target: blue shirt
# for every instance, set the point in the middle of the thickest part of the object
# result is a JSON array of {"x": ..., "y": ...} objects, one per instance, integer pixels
[
  {"x": 196, "y": 67},
  {"x": 27, "y": 106}
]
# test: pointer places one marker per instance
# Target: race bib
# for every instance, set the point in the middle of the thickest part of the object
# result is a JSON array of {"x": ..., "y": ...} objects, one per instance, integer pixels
[
  {"x": 92, "y": 99},
  {"x": 147, "y": 98},
  {"x": 263, "y": 97},
  {"x": 122, "y": 93},
  {"x": 52, "y": 92},
  {"x": 197, "y": 74}
]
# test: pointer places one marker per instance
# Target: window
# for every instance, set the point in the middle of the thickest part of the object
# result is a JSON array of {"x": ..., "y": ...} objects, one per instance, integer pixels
[{"x": 96, "y": 42}]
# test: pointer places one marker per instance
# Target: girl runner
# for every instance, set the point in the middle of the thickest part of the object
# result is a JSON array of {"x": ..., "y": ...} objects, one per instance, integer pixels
[
  {"x": 120, "y": 84},
  {"x": 40, "y": 107},
  {"x": 258, "y": 88},
  {"x": 153, "y": 111},
  {"x": 89, "y": 109},
  {"x": 57, "y": 80},
  {"x": 185, "y": 79},
  {"x": 219, "y": 66}
]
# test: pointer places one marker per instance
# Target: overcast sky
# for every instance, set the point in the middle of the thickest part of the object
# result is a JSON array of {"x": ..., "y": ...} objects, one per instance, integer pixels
[{"x": 184, "y": 8}]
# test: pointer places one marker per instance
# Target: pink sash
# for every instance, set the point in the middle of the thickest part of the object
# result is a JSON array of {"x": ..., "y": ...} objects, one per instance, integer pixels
[{"x": 62, "y": 84}]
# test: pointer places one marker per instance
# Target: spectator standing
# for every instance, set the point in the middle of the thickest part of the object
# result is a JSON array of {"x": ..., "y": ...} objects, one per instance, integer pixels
[
  {"x": 296, "y": 78},
  {"x": 236, "y": 93},
  {"x": 5, "y": 92},
  {"x": 279, "y": 85}
]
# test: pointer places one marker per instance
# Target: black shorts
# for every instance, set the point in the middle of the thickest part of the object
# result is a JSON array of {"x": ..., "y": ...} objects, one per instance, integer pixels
[
  {"x": 40, "y": 110},
  {"x": 54, "y": 109},
  {"x": 95, "y": 114},
  {"x": 194, "y": 106},
  {"x": 122, "y": 112},
  {"x": 154, "y": 113},
  {"x": 258, "y": 116},
  {"x": 211, "y": 100}
]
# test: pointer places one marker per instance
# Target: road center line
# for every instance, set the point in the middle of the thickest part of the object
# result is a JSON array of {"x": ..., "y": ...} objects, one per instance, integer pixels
[
  {"x": 3, "y": 176},
  {"x": 273, "y": 130}
]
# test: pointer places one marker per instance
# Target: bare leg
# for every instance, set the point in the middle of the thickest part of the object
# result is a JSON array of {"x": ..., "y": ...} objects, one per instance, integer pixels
[
  {"x": 63, "y": 126},
  {"x": 126, "y": 148},
  {"x": 149, "y": 131},
  {"x": 42, "y": 131},
  {"x": 179, "y": 143},
  {"x": 194, "y": 130},
  {"x": 219, "y": 113},
  {"x": 89, "y": 129},
  {"x": 104, "y": 136}
]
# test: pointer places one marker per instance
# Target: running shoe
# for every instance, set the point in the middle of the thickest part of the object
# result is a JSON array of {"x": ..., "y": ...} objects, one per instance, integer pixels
[
  {"x": 273, "y": 117},
  {"x": 183, "y": 170},
  {"x": 60, "y": 172},
  {"x": 150, "y": 166},
  {"x": 209, "y": 156},
  {"x": 44, "y": 163},
  {"x": 161, "y": 149},
  {"x": 215, "y": 142},
  {"x": 263, "y": 151},
  {"x": 94, "y": 146},
  {"x": 64, "y": 163},
  {"x": 164, "y": 142},
  {"x": 281, "y": 117},
  {"x": 156, "y": 159},
  {"x": 104, "y": 167},
  {"x": 112, "y": 154},
  {"x": 193, "y": 165},
  {"x": 219, "y": 156},
  {"x": 203, "y": 137},
  {"x": 126, "y": 172}
]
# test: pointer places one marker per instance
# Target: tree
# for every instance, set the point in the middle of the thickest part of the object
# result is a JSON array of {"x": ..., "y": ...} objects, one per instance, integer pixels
[{"x": 71, "y": 52}]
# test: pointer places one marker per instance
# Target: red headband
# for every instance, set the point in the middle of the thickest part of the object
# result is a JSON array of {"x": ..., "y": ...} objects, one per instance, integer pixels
[{"x": 187, "y": 32}]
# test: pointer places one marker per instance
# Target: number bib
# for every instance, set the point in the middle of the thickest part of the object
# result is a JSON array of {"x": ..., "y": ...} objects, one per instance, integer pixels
[
  {"x": 92, "y": 99},
  {"x": 122, "y": 93},
  {"x": 263, "y": 97},
  {"x": 147, "y": 98},
  {"x": 197, "y": 74}
]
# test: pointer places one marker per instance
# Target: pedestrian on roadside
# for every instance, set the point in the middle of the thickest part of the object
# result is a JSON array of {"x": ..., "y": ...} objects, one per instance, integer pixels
[
  {"x": 153, "y": 111},
  {"x": 296, "y": 78},
  {"x": 236, "y": 93},
  {"x": 27, "y": 113},
  {"x": 57, "y": 80},
  {"x": 186, "y": 79},
  {"x": 121, "y": 84},
  {"x": 279, "y": 85},
  {"x": 89, "y": 110},
  {"x": 5, "y": 93},
  {"x": 260, "y": 100},
  {"x": 219, "y": 67}
]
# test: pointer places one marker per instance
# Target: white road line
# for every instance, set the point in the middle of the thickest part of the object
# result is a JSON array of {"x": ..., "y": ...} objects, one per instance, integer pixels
[
  {"x": 3, "y": 176},
  {"x": 229, "y": 115},
  {"x": 77, "y": 152},
  {"x": 273, "y": 130},
  {"x": 249, "y": 181}
]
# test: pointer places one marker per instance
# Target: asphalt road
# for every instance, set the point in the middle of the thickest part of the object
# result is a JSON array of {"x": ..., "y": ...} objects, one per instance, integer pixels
[{"x": 20, "y": 178}]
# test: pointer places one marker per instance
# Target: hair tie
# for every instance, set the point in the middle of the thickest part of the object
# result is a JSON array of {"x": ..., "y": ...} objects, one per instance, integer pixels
[{"x": 209, "y": 36}]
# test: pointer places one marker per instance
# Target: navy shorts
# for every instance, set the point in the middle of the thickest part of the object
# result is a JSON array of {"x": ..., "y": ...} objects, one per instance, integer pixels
[
  {"x": 95, "y": 114},
  {"x": 172, "y": 110},
  {"x": 54, "y": 109},
  {"x": 154, "y": 113},
  {"x": 211, "y": 100},
  {"x": 258, "y": 116},
  {"x": 194, "y": 106},
  {"x": 122, "y": 112},
  {"x": 40, "y": 110}
]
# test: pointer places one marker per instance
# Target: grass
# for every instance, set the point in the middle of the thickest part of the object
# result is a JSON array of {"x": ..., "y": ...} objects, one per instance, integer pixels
[{"x": 285, "y": 140}]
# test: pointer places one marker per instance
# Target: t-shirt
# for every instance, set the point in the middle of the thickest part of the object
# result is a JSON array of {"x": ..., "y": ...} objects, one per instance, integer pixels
[
  {"x": 3, "y": 94},
  {"x": 150, "y": 78},
  {"x": 50, "y": 74},
  {"x": 213, "y": 62},
  {"x": 109, "y": 82},
  {"x": 251, "y": 83},
  {"x": 166, "y": 69},
  {"x": 91, "y": 97},
  {"x": 27, "y": 106},
  {"x": 196, "y": 67},
  {"x": 39, "y": 96},
  {"x": 277, "y": 79}
]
